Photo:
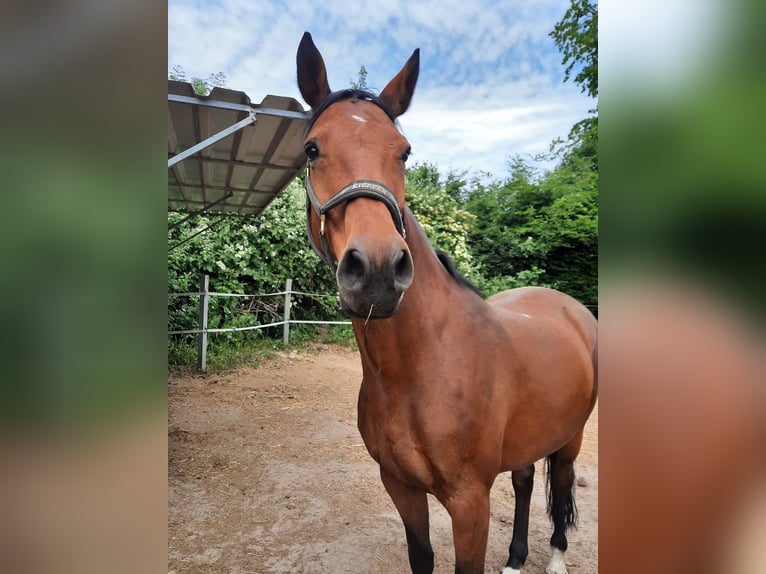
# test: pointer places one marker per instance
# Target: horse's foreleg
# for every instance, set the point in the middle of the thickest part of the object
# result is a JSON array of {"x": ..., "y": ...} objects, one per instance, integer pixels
[
  {"x": 561, "y": 504},
  {"x": 523, "y": 481},
  {"x": 413, "y": 508},
  {"x": 469, "y": 509}
]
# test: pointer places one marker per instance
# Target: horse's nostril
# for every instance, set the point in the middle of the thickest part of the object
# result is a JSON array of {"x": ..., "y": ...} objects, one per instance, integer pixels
[
  {"x": 403, "y": 269},
  {"x": 353, "y": 267},
  {"x": 357, "y": 272}
]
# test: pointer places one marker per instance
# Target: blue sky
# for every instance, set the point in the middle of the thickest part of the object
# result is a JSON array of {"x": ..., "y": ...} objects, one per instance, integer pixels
[{"x": 490, "y": 83}]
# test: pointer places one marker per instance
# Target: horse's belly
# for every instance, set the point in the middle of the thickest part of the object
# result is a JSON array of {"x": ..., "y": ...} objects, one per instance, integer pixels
[
  {"x": 532, "y": 434},
  {"x": 517, "y": 456}
]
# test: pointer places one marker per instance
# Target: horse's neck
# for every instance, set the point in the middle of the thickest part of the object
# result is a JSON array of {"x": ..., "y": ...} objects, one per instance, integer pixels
[{"x": 432, "y": 296}]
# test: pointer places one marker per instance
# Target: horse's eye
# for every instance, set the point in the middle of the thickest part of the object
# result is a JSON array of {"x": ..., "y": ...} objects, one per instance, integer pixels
[
  {"x": 406, "y": 154},
  {"x": 312, "y": 151}
]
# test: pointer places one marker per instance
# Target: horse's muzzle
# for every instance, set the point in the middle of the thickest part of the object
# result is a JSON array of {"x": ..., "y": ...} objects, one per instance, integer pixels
[{"x": 373, "y": 288}]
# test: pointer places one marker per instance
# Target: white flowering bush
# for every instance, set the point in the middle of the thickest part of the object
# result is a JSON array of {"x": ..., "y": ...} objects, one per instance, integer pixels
[{"x": 248, "y": 256}]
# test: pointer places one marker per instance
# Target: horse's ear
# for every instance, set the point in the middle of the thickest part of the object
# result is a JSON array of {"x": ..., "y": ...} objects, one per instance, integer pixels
[
  {"x": 312, "y": 75},
  {"x": 398, "y": 93}
]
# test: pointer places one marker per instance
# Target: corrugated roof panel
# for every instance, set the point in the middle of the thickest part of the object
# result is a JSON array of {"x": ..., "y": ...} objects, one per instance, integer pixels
[
  {"x": 242, "y": 176},
  {"x": 242, "y": 172}
]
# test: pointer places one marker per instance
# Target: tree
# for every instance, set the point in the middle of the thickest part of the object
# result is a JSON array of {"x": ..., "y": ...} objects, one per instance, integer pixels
[
  {"x": 502, "y": 241},
  {"x": 538, "y": 229},
  {"x": 576, "y": 36},
  {"x": 446, "y": 224},
  {"x": 201, "y": 86},
  {"x": 581, "y": 144},
  {"x": 567, "y": 232},
  {"x": 361, "y": 83}
]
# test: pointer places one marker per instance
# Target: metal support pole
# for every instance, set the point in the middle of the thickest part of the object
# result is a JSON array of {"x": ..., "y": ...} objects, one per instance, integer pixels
[
  {"x": 204, "y": 288},
  {"x": 238, "y": 107},
  {"x": 286, "y": 327},
  {"x": 250, "y": 119}
]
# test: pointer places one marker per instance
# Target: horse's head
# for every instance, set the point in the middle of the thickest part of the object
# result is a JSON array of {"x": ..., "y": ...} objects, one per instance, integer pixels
[{"x": 355, "y": 184}]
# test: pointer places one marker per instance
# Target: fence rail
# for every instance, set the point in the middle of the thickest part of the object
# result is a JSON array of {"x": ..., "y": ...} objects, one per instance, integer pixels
[
  {"x": 246, "y": 296},
  {"x": 202, "y": 329}
]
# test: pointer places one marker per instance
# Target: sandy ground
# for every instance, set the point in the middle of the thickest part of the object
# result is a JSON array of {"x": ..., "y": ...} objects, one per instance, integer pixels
[{"x": 268, "y": 474}]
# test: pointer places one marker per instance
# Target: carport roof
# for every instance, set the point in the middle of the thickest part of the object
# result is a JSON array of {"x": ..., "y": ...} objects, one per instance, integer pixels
[{"x": 227, "y": 155}]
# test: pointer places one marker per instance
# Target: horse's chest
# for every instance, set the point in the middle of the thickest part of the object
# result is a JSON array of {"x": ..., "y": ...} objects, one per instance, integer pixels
[
  {"x": 398, "y": 451},
  {"x": 404, "y": 445}
]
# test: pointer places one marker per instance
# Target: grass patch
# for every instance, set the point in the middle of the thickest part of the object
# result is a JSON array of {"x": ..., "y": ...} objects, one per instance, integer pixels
[
  {"x": 301, "y": 335},
  {"x": 341, "y": 335},
  {"x": 222, "y": 358}
]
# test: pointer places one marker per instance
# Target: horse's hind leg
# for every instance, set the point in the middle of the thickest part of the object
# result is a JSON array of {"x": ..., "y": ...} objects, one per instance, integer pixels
[
  {"x": 561, "y": 504},
  {"x": 523, "y": 481},
  {"x": 412, "y": 505}
]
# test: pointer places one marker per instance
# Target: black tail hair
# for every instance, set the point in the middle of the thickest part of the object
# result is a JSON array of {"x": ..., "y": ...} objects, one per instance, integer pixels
[{"x": 570, "y": 508}]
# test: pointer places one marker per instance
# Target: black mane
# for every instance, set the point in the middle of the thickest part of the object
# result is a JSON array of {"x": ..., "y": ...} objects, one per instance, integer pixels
[
  {"x": 349, "y": 94},
  {"x": 449, "y": 265}
]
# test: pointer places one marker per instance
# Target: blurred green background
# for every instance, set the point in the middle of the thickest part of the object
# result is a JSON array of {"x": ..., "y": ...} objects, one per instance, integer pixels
[
  {"x": 83, "y": 237},
  {"x": 82, "y": 286},
  {"x": 683, "y": 168}
]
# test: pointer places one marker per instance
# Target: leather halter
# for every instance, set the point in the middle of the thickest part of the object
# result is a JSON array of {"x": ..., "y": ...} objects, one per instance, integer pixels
[{"x": 360, "y": 188}]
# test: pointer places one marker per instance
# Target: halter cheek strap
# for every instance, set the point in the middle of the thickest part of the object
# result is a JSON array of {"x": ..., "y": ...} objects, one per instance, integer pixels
[{"x": 359, "y": 188}]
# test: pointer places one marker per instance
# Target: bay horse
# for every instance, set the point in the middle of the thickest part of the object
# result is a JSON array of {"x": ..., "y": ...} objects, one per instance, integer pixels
[{"x": 456, "y": 389}]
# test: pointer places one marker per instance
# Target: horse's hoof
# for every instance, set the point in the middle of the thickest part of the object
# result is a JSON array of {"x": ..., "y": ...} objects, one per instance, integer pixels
[{"x": 557, "y": 564}]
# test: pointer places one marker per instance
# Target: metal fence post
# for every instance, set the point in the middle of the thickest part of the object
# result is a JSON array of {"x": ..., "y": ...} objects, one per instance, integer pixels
[
  {"x": 204, "y": 288},
  {"x": 286, "y": 326}
]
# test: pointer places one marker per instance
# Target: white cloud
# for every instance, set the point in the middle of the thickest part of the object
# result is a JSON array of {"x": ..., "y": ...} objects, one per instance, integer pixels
[
  {"x": 490, "y": 82},
  {"x": 482, "y": 134}
]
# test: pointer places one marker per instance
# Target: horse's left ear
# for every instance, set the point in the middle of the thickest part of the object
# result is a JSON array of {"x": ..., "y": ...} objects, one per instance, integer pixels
[
  {"x": 398, "y": 93},
  {"x": 312, "y": 75}
]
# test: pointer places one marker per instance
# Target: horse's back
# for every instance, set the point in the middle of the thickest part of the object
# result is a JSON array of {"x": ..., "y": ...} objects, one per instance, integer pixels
[{"x": 547, "y": 308}]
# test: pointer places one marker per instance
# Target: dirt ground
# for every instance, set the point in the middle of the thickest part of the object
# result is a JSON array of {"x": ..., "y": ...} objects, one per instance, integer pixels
[{"x": 268, "y": 474}]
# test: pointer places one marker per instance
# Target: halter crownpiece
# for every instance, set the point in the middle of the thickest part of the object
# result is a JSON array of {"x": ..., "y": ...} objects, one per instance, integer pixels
[{"x": 360, "y": 188}]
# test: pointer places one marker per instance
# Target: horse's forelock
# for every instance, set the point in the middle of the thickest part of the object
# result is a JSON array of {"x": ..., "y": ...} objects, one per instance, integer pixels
[{"x": 348, "y": 94}]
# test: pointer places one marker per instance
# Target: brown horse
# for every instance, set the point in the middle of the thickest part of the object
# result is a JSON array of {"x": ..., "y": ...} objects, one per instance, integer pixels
[{"x": 456, "y": 389}]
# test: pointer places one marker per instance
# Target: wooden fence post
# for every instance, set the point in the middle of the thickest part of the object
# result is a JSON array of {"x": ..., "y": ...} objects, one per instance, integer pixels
[
  {"x": 204, "y": 288},
  {"x": 286, "y": 326}
]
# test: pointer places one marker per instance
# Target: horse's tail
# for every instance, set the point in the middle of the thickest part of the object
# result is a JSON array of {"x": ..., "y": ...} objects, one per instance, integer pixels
[{"x": 560, "y": 477}]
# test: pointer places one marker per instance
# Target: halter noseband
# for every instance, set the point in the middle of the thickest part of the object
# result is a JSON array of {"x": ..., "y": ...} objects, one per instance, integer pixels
[{"x": 359, "y": 188}]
